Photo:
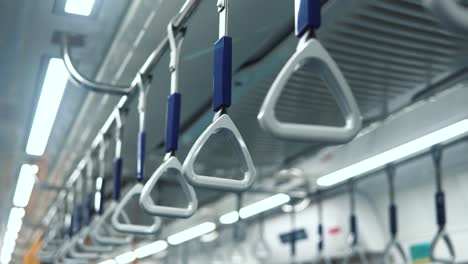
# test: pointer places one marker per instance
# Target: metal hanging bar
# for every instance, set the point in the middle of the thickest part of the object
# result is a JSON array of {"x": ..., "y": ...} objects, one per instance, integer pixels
[{"x": 146, "y": 70}]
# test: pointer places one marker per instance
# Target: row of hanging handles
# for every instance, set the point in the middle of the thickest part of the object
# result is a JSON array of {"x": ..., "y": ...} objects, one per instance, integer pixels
[{"x": 307, "y": 13}]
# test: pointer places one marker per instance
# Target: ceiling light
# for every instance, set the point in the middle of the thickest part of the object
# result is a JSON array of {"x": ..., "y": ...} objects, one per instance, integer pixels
[
  {"x": 191, "y": 233},
  {"x": 403, "y": 151},
  {"x": 151, "y": 249},
  {"x": 79, "y": 7},
  {"x": 51, "y": 95},
  {"x": 126, "y": 258},
  {"x": 25, "y": 185},
  {"x": 264, "y": 205},
  {"x": 229, "y": 218}
]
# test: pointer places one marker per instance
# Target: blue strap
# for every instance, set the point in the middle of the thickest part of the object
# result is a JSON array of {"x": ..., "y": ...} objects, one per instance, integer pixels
[
  {"x": 141, "y": 156},
  {"x": 71, "y": 226},
  {"x": 222, "y": 81},
  {"x": 308, "y": 16},
  {"x": 172, "y": 122},
  {"x": 440, "y": 209},
  {"x": 393, "y": 220},
  {"x": 117, "y": 178},
  {"x": 89, "y": 208},
  {"x": 353, "y": 229},
  {"x": 79, "y": 217},
  {"x": 320, "y": 235}
]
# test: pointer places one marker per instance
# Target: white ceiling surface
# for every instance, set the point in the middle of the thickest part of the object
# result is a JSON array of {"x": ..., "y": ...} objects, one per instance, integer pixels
[
  {"x": 26, "y": 29},
  {"x": 383, "y": 48}
]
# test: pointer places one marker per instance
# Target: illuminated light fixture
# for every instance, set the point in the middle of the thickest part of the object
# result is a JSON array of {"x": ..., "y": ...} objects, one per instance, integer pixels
[
  {"x": 210, "y": 237},
  {"x": 126, "y": 258},
  {"x": 229, "y": 218},
  {"x": 151, "y": 249},
  {"x": 25, "y": 185},
  {"x": 191, "y": 233},
  {"x": 79, "y": 7},
  {"x": 263, "y": 205},
  {"x": 49, "y": 101},
  {"x": 97, "y": 201},
  {"x": 15, "y": 220},
  {"x": 109, "y": 261},
  {"x": 403, "y": 151}
]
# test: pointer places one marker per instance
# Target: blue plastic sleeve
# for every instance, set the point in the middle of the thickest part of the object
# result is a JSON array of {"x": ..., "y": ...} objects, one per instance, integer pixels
[
  {"x": 353, "y": 228},
  {"x": 103, "y": 199},
  {"x": 222, "y": 79},
  {"x": 440, "y": 209},
  {"x": 89, "y": 208},
  {"x": 172, "y": 122},
  {"x": 71, "y": 226},
  {"x": 141, "y": 156},
  {"x": 117, "y": 178},
  {"x": 320, "y": 235},
  {"x": 79, "y": 217},
  {"x": 308, "y": 16},
  {"x": 393, "y": 220}
]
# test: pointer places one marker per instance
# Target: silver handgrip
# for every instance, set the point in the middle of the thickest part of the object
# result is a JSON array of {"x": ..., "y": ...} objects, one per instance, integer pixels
[
  {"x": 130, "y": 228},
  {"x": 205, "y": 181},
  {"x": 312, "y": 51},
  {"x": 148, "y": 204},
  {"x": 95, "y": 248},
  {"x": 442, "y": 236},
  {"x": 450, "y": 13},
  {"x": 101, "y": 223}
]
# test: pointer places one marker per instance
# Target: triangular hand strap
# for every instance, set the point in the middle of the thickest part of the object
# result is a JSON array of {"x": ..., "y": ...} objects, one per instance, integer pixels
[
  {"x": 442, "y": 236},
  {"x": 129, "y": 228},
  {"x": 206, "y": 181},
  {"x": 151, "y": 208},
  {"x": 313, "y": 52},
  {"x": 101, "y": 224},
  {"x": 95, "y": 248}
]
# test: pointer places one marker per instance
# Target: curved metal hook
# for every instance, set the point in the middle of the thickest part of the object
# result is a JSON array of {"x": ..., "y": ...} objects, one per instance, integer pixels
[{"x": 85, "y": 83}]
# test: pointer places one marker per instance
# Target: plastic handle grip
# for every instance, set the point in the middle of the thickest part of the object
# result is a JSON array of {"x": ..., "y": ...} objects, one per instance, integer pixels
[
  {"x": 141, "y": 156},
  {"x": 172, "y": 122},
  {"x": 440, "y": 209},
  {"x": 222, "y": 78},
  {"x": 393, "y": 220},
  {"x": 322, "y": 64},
  {"x": 118, "y": 163},
  {"x": 307, "y": 16}
]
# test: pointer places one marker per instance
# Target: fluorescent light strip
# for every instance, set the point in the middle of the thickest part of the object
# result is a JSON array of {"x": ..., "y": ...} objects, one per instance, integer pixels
[
  {"x": 229, "y": 218},
  {"x": 395, "y": 154},
  {"x": 51, "y": 95},
  {"x": 264, "y": 205},
  {"x": 25, "y": 185},
  {"x": 126, "y": 258},
  {"x": 191, "y": 233},
  {"x": 79, "y": 7},
  {"x": 151, "y": 249}
]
